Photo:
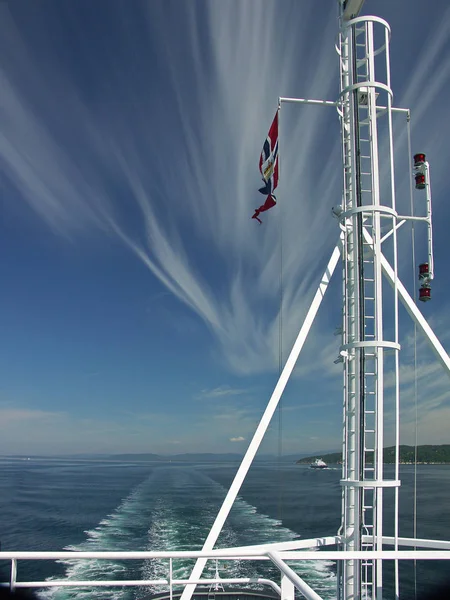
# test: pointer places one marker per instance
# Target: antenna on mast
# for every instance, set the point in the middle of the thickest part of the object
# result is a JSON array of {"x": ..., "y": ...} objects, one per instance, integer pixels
[{"x": 351, "y": 8}]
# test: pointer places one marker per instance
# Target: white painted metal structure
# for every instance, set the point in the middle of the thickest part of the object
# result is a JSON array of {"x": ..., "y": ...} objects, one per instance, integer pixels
[
  {"x": 368, "y": 348},
  {"x": 364, "y": 337}
]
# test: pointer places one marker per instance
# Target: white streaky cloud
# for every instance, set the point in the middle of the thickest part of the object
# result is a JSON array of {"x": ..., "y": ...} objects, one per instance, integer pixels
[
  {"x": 432, "y": 427},
  {"x": 11, "y": 416},
  {"x": 199, "y": 188},
  {"x": 424, "y": 389},
  {"x": 304, "y": 405},
  {"x": 220, "y": 392},
  {"x": 427, "y": 81},
  {"x": 408, "y": 374},
  {"x": 237, "y": 439},
  {"x": 30, "y": 431}
]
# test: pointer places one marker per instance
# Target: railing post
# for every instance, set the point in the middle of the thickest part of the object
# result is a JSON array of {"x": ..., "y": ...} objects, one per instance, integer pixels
[
  {"x": 12, "y": 583},
  {"x": 170, "y": 578},
  {"x": 287, "y": 588}
]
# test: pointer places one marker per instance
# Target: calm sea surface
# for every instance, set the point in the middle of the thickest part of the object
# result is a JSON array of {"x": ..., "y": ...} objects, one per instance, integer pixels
[{"x": 79, "y": 505}]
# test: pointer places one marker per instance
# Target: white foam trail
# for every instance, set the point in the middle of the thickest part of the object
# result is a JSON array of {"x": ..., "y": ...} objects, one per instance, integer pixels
[{"x": 173, "y": 510}]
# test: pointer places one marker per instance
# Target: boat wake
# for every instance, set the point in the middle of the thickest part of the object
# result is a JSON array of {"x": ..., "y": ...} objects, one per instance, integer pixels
[{"x": 173, "y": 509}]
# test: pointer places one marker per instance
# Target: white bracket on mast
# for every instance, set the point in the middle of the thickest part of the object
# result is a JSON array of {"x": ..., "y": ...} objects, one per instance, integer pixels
[{"x": 412, "y": 309}]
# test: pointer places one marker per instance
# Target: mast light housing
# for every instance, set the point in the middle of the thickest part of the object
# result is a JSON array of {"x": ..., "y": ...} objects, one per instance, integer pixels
[
  {"x": 425, "y": 293},
  {"x": 420, "y": 181},
  {"x": 419, "y": 159},
  {"x": 424, "y": 271}
]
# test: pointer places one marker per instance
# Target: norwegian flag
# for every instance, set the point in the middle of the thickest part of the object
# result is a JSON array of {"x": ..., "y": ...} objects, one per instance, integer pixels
[
  {"x": 268, "y": 165},
  {"x": 269, "y": 203},
  {"x": 268, "y": 161}
]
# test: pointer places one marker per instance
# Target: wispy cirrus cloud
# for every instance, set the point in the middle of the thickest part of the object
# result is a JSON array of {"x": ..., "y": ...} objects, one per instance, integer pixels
[
  {"x": 220, "y": 392},
  {"x": 187, "y": 195},
  {"x": 174, "y": 177},
  {"x": 11, "y": 416},
  {"x": 25, "y": 430},
  {"x": 424, "y": 389}
]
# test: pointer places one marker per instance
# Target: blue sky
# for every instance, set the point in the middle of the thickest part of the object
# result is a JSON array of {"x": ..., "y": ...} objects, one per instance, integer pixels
[{"x": 140, "y": 303}]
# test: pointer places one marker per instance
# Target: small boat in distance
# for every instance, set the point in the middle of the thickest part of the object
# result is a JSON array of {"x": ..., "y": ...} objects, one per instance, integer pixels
[{"x": 318, "y": 464}]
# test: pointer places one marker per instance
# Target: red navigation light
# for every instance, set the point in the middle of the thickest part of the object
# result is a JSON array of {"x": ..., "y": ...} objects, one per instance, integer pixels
[
  {"x": 420, "y": 181},
  {"x": 419, "y": 159},
  {"x": 425, "y": 293},
  {"x": 424, "y": 271}
]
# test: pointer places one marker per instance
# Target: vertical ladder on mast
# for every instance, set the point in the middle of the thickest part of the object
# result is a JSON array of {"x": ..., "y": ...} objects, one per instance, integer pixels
[
  {"x": 368, "y": 373},
  {"x": 363, "y": 334}
]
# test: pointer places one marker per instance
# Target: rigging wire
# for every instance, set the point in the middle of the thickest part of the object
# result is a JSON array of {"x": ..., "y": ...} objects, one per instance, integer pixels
[
  {"x": 280, "y": 352},
  {"x": 413, "y": 253}
]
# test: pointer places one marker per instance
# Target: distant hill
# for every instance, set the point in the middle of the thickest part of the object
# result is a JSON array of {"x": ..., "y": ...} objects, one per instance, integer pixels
[
  {"x": 199, "y": 457},
  {"x": 426, "y": 454},
  {"x": 151, "y": 457},
  {"x": 144, "y": 457}
]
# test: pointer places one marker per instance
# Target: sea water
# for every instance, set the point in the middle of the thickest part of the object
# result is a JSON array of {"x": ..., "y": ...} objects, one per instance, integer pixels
[{"x": 109, "y": 506}]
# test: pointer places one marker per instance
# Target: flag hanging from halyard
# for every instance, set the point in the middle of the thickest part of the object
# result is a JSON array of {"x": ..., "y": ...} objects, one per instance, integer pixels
[
  {"x": 268, "y": 166},
  {"x": 268, "y": 161},
  {"x": 270, "y": 201}
]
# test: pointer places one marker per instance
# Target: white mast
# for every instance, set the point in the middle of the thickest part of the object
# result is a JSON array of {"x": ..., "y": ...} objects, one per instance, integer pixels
[
  {"x": 364, "y": 338},
  {"x": 365, "y": 109}
]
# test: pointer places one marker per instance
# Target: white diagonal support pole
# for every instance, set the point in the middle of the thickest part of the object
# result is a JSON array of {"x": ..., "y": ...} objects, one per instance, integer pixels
[
  {"x": 417, "y": 316},
  {"x": 263, "y": 424},
  {"x": 292, "y": 576},
  {"x": 413, "y": 311}
]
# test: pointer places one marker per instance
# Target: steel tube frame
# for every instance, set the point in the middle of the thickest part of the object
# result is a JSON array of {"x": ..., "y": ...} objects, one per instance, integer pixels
[
  {"x": 362, "y": 210},
  {"x": 349, "y": 578},
  {"x": 298, "y": 582}
]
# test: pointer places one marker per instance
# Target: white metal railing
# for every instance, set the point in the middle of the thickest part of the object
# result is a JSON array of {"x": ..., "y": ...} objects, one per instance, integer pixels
[{"x": 297, "y": 551}]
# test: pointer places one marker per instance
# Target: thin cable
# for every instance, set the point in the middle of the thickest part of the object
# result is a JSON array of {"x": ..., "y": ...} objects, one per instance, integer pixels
[
  {"x": 280, "y": 347},
  {"x": 413, "y": 248},
  {"x": 396, "y": 315},
  {"x": 280, "y": 368}
]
